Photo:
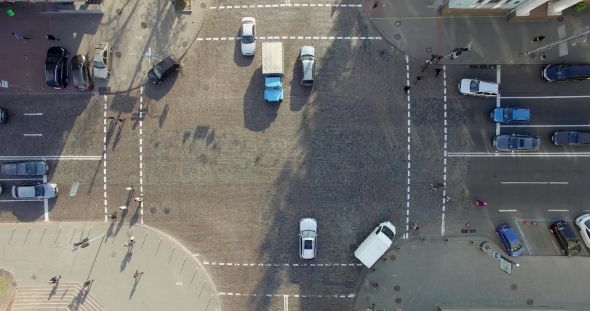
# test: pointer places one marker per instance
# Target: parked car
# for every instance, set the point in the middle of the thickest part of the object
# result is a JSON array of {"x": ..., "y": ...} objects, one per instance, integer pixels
[
  {"x": 102, "y": 60},
  {"x": 582, "y": 223},
  {"x": 571, "y": 138},
  {"x": 163, "y": 69},
  {"x": 308, "y": 238},
  {"x": 510, "y": 240},
  {"x": 516, "y": 142},
  {"x": 479, "y": 88},
  {"x": 563, "y": 72},
  {"x": 3, "y": 115},
  {"x": 29, "y": 168},
  {"x": 307, "y": 57},
  {"x": 80, "y": 73},
  {"x": 566, "y": 238},
  {"x": 510, "y": 115},
  {"x": 56, "y": 67},
  {"x": 248, "y": 44},
  {"x": 39, "y": 191}
]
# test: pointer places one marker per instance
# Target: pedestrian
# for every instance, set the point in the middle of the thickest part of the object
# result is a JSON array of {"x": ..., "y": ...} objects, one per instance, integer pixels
[
  {"x": 448, "y": 199},
  {"x": 407, "y": 88},
  {"x": 122, "y": 120},
  {"x": 415, "y": 227},
  {"x": 428, "y": 62},
  {"x": 480, "y": 203},
  {"x": 113, "y": 216},
  {"x": 136, "y": 274},
  {"x": 373, "y": 270},
  {"x": 538, "y": 39},
  {"x": 129, "y": 188},
  {"x": 138, "y": 199},
  {"x": 442, "y": 185},
  {"x": 439, "y": 58},
  {"x": 456, "y": 54},
  {"x": 87, "y": 283},
  {"x": 424, "y": 68},
  {"x": 438, "y": 72},
  {"x": 376, "y": 4},
  {"x": 20, "y": 36},
  {"x": 51, "y": 38},
  {"x": 434, "y": 56},
  {"x": 375, "y": 285},
  {"x": 419, "y": 78},
  {"x": 54, "y": 279},
  {"x": 131, "y": 240},
  {"x": 435, "y": 187}
]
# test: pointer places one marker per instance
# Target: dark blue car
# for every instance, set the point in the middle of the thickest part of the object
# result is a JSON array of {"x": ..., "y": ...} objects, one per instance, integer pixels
[
  {"x": 510, "y": 240},
  {"x": 510, "y": 115}
]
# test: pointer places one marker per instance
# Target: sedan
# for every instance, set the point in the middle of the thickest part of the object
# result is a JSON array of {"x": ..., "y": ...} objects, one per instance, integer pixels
[
  {"x": 510, "y": 115},
  {"x": 40, "y": 191},
  {"x": 571, "y": 138},
  {"x": 566, "y": 238},
  {"x": 163, "y": 69},
  {"x": 582, "y": 223},
  {"x": 510, "y": 240},
  {"x": 30, "y": 168},
  {"x": 3, "y": 115},
  {"x": 56, "y": 67},
  {"x": 248, "y": 36},
  {"x": 516, "y": 142},
  {"x": 308, "y": 238},
  {"x": 81, "y": 74}
]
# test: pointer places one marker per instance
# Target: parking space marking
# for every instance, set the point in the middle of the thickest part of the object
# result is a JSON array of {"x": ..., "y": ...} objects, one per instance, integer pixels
[
  {"x": 526, "y": 243},
  {"x": 276, "y": 265},
  {"x": 282, "y": 295},
  {"x": 34, "y": 114},
  {"x": 507, "y": 210},
  {"x": 535, "y": 182},
  {"x": 558, "y": 210},
  {"x": 286, "y": 302},
  {"x": 227, "y": 39},
  {"x": 498, "y": 79},
  {"x": 287, "y": 4},
  {"x": 546, "y": 125},
  {"x": 405, "y": 236},
  {"x": 60, "y": 158},
  {"x": 516, "y": 155}
]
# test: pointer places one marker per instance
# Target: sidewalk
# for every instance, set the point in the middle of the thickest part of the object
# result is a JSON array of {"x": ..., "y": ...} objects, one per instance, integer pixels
[
  {"x": 172, "y": 278},
  {"x": 423, "y": 275},
  {"x": 141, "y": 33},
  {"x": 415, "y": 27}
]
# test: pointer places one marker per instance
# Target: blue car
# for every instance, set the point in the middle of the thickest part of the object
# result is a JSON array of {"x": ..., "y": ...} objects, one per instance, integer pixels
[
  {"x": 510, "y": 240},
  {"x": 510, "y": 115}
]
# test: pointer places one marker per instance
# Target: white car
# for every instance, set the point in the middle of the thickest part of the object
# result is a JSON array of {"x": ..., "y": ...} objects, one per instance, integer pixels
[
  {"x": 248, "y": 36},
  {"x": 308, "y": 238},
  {"x": 40, "y": 191},
  {"x": 102, "y": 60},
  {"x": 583, "y": 225},
  {"x": 479, "y": 88}
]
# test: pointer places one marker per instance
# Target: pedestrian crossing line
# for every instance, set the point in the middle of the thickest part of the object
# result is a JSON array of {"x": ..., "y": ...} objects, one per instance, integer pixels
[
  {"x": 282, "y": 265},
  {"x": 297, "y": 5},
  {"x": 291, "y": 38},
  {"x": 282, "y": 295}
]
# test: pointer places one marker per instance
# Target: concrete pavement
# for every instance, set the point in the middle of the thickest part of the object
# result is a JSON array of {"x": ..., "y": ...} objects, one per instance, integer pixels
[
  {"x": 417, "y": 28},
  {"x": 423, "y": 275},
  {"x": 141, "y": 33},
  {"x": 172, "y": 278}
]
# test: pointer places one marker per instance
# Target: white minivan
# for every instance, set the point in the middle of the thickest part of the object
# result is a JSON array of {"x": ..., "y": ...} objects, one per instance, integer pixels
[{"x": 376, "y": 244}]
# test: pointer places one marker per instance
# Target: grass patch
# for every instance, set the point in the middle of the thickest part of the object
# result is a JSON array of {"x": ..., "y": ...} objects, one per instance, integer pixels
[
  {"x": 183, "y": 5},
  {"x": 4, "y": 287}
]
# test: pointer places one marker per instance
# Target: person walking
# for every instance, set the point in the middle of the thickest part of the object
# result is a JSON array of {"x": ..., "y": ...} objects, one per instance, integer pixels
[
  {"x": 424, "y": 68},
  {"x": 538, "y": 39},
  {"x": 51, "y": 38},
  {"x": 435, "y": 187},
  {"x": 439, "y": 72},
  {"x": 480, "y": 203},
  {"x": 375, "y": 5},
  {"x": 375, "y": 285},
  {"x": 138, "y": 199},
  {"x": 448, "y": 199},
  {"x": 407, "y": 88},
  {"x": 20, "y": 36},
  {"x": 419, "y": 78},
  {"x": 54, "y": 279},
  {"x": 113, "y": 216},
  {"x": 456, "y": 54},
  {"x": 123, "y": 207},
  {"x": 87, "y": 283},
  {"x": 415, "y": 227}
]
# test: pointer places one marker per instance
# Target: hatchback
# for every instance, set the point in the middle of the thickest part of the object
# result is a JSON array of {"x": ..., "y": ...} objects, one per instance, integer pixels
[
  {"x": 510, "y": 115},
  {"x": 81, "y": 74},
  {"x": 248, "y": 42},
  {"x": 510, "y": 240},
  {"x": 307, "y": 57},
  {"x": 39, "y": 191},
  {"x": 582, "y": 223},
  {"x": 308, "y": 236},
  {"x": 516, "y": 142},
  {"x": 163, "y": 69},
  {"x": 56, "y": 67},
  {"x": 566, "y": 238}
]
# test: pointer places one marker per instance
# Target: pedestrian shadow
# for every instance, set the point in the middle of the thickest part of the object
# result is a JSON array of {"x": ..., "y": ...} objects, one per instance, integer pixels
[
  {"x": 111, "y": 130},
  {"x": 53, "y": 291},
  {"x": 135, "y": 216},
  {"x": 126, "y": 259},
  {"x": 120, "y": 224},
  {"x": 110, "y": 231},
  {"x": 80, "y": 298},
  {"x": 135, "y": 286},
  {"x": 118, "y": 136}
]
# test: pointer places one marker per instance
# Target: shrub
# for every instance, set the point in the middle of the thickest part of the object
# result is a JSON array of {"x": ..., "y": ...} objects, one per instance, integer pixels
[{"x": 580, "y": 6}]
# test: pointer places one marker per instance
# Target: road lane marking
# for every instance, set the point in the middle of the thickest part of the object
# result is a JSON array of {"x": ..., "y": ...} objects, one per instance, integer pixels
[
  {"x": 524, "y": 237},
  {"x": 408, "y": 140},
  {"x": 507, "y": 210},
  {"x": 444, "y": 155},
  {"x": 519, "y": 155},
  {"x": 60, "y": 158},
  {"x": 34, "y": 114},
  {"x": 546, "y": 125},
  {"x": 286, "y": 302},
  {"x": 558, "y": 210},
  {"x": 535, "y": 182}
]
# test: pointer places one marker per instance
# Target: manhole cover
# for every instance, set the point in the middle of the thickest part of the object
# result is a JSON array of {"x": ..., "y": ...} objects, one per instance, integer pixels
[
  {"x": 398, "y": 23},
  {"x": 397, "y": 36},
  {"x": 392, "y": 257},
  {"x": 167, "y": 211},
  {"x": 143, "y": 25},
  {"x": 396, "y": 288},
  {"x": 529, "y": 302},
  {"x": 428, "y": 50},
  {"x": 118, "y": 11},
  {"x": 113, "y": 254},
  {"x": 203, "y": 158},
  {"x": 382, "y": 53},
  {"x": 118, "y": 54},
  {"x": 152, "y": 210},
  {"x": 203, "y": 5},
  {"x": 33, "y": 277},
  {"x": 543, "y": 57},
  {"x": 532, "y": 55},
  {"x": 184, "y": 44},
  {"x": 351, "y": 246},
  {"x": 560, "y": 19},
  {"x": 235, "y": 142},
  {"x": 398, "y": 300},
  {"x": 206, "y": 87},
  {"x": 513, "y": 287}
]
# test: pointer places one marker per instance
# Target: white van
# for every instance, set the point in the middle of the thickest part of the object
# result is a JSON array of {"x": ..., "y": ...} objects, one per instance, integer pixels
[
  {"x": 376, "y": 244},
  {"x": 479, "y": 88}
]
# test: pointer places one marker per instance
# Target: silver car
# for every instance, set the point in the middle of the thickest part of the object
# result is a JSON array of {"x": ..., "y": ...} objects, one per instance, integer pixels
[
  {"x": 516, "y": 142},
  {"x": 307, "y": 57},
  {"x": 29, "y": 168},
  {"x": 308, "y": 238},
  {"x": 40, "y": 191}
]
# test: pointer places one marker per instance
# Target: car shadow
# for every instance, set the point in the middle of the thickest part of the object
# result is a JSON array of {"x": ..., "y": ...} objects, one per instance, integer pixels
[{"x": 258, "y": 114}]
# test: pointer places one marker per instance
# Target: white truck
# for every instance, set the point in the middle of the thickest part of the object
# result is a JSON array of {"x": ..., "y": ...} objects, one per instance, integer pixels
[
  {"x": 376, "y": 244},
  {"x": 273, "y": 69}
]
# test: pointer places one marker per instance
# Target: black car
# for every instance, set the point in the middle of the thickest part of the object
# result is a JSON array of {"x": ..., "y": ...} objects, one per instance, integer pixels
[
  {"x": 56, "y": 67},
  {"x": 81, "y": 74},
  {"x": 163, "y": 69},
  {"x": 571, "y": 138},
  {"x": 566, "y": 238},
  {"x": 3, "y": 115},
  {"x": 565, "y": 72}
]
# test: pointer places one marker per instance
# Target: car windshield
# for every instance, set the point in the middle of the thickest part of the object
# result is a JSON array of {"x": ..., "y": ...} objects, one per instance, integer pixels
[
  {"x": 159, "y": 70},
  {"x": 99, "y": 65},
  {"x": 308, "y": 234},
  {"x": 39, "y": 191},
  {"x": 388, "y": 232},
  {"x": 587, "y": 223},
  {"x": 247, "y": 39},
  {"x": 308, "y": 244},
  {"x": 474, "y": 86},
  {"x": 306, "y": 57},
  {"x": 573, "y": 137}
]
